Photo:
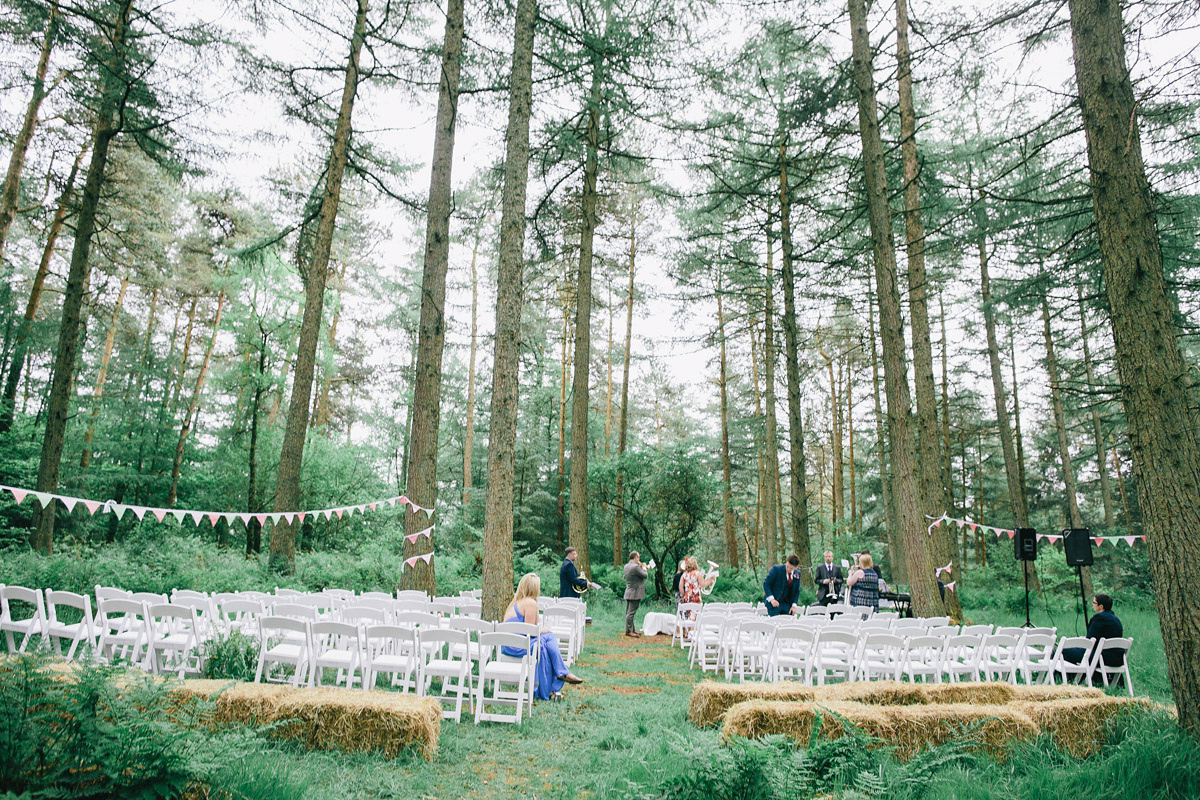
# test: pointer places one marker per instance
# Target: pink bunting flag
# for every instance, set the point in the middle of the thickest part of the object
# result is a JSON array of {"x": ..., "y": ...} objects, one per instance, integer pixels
[
  {"x": 1053, "y": 538},
  {"x": 213, "y": 516},
  {"x": 92, "y": 506},
  {"x": 1011, "y": 534},
  {"x": 372, "y": 506},
  {"x": 326, "y": 513},
  {"x": 196, "y": 517},
  {"x": 391, "y": 501},
  {"x": 19, "y": 495},
  {"x": 139, "y": 511},
  {"x": 289, "y": 517},
  {"x": 950, "y": 586},
  {"x": 339, "y": 511},
  {"x": 68, "y": 502},
  {"x": 412, "y": 537},
  {"x": 427, "y": 557},
  {"x": 946, "y": 568},
  {"x": 1129, "y": 540},
  {"x": 937, "y": 522},
  {"x": 262, "y": 519},
  {"x": 403, "y": 499},
  {"x": 300, "y": 515},
  {"x": 973, "y": 526},
  {"x": 1099, "y": 540},
  {"x": 411, "y": 562},
  {"x": 159, "y": 513}
]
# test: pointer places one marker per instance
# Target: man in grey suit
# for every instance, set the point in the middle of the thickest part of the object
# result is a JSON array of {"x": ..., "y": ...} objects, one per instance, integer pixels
[{"x": 635, "y": 590}]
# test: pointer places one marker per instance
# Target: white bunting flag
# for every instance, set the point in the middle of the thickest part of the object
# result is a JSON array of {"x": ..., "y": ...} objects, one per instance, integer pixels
[{"x": 68, "y": 502}]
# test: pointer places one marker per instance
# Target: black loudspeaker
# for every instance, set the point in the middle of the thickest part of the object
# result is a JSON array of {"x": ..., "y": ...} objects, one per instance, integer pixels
[
  {"x": 1025, "y": 544},
  {"x": 1077, "y": 544}
]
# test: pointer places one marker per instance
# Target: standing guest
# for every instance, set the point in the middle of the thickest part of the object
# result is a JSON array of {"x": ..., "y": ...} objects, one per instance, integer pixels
[
  {"x": 570, "y": 584},
  {"x": 678, "y": 577},
  {"x": 866, "y": 551},
  {"x": 692, "y": 582},
  {"x": 552, "y": 671},
  {"x": 635, "y": 590},
  {"x": 828, "y": 577},
  {"x": 1104, "y": 625},
  {"x": 781, "y": 589},
  {"x": 864, "y": 583}
]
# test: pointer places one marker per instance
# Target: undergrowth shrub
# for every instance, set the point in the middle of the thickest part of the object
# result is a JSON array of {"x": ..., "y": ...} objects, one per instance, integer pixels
[{"x": 231, "y": 657}]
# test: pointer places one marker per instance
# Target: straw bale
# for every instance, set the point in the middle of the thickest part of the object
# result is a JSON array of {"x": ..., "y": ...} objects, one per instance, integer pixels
[
  {"x": 892, "y": 693},
  {"x": 993, "y": 726},
  {"x": 756, "y": 718},
  {"x": 710, "y": 700},
  {"x": 1077, "y": 724},
  {"x": 1051, "y": 691}
]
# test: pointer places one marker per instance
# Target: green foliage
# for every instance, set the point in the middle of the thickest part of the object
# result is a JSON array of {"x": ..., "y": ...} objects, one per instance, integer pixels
[{"x": 231, "y": 657}]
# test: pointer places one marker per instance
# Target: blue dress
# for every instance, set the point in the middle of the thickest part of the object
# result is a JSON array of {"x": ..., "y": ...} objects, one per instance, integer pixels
[{"x": 551, "y": 669}]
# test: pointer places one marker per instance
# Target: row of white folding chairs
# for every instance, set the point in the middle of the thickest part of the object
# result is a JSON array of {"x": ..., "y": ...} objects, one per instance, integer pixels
[
  {"x": 566, "y": 618},
  {"x": 300, "y": 651},
  {"x": 772, "y": 652}
]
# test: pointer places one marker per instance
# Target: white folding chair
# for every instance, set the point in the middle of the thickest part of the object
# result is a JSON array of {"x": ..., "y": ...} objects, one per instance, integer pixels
[
  {"x": 336, "y": 646},
  {"x": 474, "y": 627},
  {"x": 362, "y": 616},
  {"x": 1061, "y": 666},
  {"x": 706, "y": 640},
  {"x": 123, "y": 632},
  {"x": 923, "y": 658},
  {"x": 934, "y": 622},
  {"x": 511, "y": 677},
  {"x": 413, "y": 595},
  {"x": 23, "y": 611},
  {"x": 685, "y": 622},
  {"x": 753, "y": 648},
  {"x": 834, "y": 653},
  {"x": 1001, "y": 657},
  {"x": 284, "y": 642},
  {"x": 439, "y": 661},
  {"x": 392, "y": 650},
  {"x": 532, "y": 635},
  {"x": 239, "y": 615},
  {"x": 1112, "y": 646},
  {"x": 174, "y": 641},
  {"x": 961, "y": 657},
  {"x": 563, "y": 622},
  {"x": 791, "y": 653},
  {"x": 975, "y": 630},
  {"x": 1036, "y": 656},
  {"x": 880, "y": 656},
  {"x": 81, "y": 631}
]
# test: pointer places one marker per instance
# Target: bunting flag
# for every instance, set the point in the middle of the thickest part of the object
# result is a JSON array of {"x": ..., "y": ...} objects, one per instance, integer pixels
[
  {"x": 950, "y": 586},
  {"x": 1053, "y": 538},
  {"x": 45, "y": 499},
  {"x": 426, "y": 557},
  {"x": 940, "y": 570},
  {"x": 412, "y": 537}
]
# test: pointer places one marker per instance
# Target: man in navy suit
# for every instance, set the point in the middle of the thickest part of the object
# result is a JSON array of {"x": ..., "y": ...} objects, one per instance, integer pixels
[
  {"x": 781, "y": 589},
  {"x": 569, "y": 582}
]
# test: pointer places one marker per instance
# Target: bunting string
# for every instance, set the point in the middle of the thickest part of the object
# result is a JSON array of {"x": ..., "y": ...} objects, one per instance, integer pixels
[
  {"x": 45, "y": 499},
  {"x": 1053, "y": 538}
]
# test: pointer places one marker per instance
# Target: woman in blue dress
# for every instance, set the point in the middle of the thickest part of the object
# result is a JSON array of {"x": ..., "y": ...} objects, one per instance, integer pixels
[{"x": 552, "y": 672}]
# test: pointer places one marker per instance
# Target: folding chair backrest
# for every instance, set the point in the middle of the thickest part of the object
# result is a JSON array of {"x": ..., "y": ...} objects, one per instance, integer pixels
[
  {"x": 110, "y": 592},
  {"x": 360, "y": 615},
  {"x": 376, "y": 596},
  {"x": 294, "y": 610},
  {"x": 975, "y": 630},
  {"x": 412, "y": 594},
  {"x": 420, "y": 620}
]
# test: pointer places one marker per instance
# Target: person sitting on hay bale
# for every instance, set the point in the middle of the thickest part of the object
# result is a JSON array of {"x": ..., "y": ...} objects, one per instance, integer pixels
[{"x": 552, "y": 671}]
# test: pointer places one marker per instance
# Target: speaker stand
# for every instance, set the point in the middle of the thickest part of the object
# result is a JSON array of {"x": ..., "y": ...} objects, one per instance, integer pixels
[
  {"x": 1082, "y": 596},
  {"x": 1025, "y": 569}
]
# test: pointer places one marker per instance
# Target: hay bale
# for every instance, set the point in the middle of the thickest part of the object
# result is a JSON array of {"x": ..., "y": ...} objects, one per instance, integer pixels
[
  {"x": 1051, "y": 691},
  {"x": 874, "y": 693},
  {"x": 753, "y": 719},
  {"x": 1076, "y": 724},
  {"x": 326, "y": 718},
  {"x": 711, "y": 700},
  {"x": 992, "y": 727}
]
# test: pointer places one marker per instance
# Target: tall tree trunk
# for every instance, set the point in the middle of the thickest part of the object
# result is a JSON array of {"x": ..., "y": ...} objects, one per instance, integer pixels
[
  {"x": 565, "y": 373},
  {"x": 1064, "y": 448},
  {"x": 498, "y": 516},
  {"x": 185, "y": 429},
  {"x": 1154, "y": 378},
  {"x": 934, "y": 500},
  {"x": 427, "y": 383},
  {"x": 8, "y": 404},
  {"x": 731, "y": 545},
  {"x": 1012, "y": 469},
  {"x": 890, "y": 524},
  {"x": 926, "y": 601},
  {"x": 85, "y": 458},
  {"x": 16, "y": 160},
  {"x": 623, "y": 422},
  {"x": 577, "y": 526},
  {"x": 855, "y": 527},
  {"x": 469, "y": 433},
  {"x": 1097, "y": 430},
  {"x": 254, "y": 527},
  {"x": 58, "y": 405},
  {"x": 771, "y": 451},
  {"x": 837, "y": 494},
  {"x": 1018, "y": 439},
  {"x": 947, "y": 476},
  {"x": 797, "y": 490},
  {"x": 314, "y": 274},
  {"x": 760, "y": 514},
  {"x": 322, "y": 413}
]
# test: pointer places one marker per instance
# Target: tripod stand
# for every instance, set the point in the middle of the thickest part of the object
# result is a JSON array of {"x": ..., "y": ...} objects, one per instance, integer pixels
[{"x": 1025, "y": 569}]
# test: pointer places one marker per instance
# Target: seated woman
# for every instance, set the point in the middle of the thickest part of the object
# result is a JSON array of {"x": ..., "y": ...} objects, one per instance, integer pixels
[{"x": 551, "y": 671}]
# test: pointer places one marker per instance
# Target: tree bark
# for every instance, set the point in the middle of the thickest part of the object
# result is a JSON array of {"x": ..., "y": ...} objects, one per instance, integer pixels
[
  {"x": 1154, "y": 379},
  {"x": 1074, "y": 518},
  {"x": 469, "y": 432},
  {"x": 21, "y": 345},
  {"x": 837, "y": 495},
  {"x": 797, "y": 490},
  {"x": 565, "y": 296},
  {"x": 498, "y": 516},
  {"x": 890, "y": 524},
  {"x": 314, "y": 274},
  {"x": 85, "y": 458},
  {"x": 577, "y": 526},
  {"x": 623, "y": 422},
  {"x": 185, "y": 429},
  {"x": 731, "y": 545},
  {"x": 427, "y": 383},
  {"x": 16, "y": 160},
  {"x": 58, "y": 404},
  {"x": 926, "y": 601},
  {"x": 770, "y": 502}
]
